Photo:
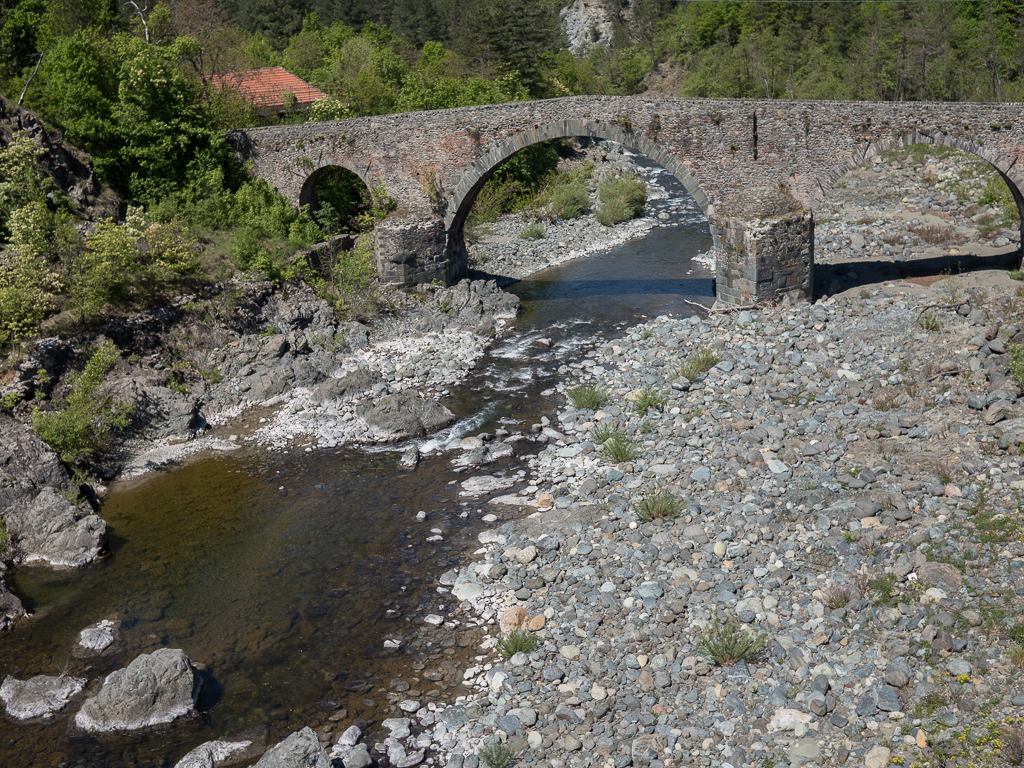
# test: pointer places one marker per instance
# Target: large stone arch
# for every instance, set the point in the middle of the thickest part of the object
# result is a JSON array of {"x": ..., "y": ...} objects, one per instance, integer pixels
[
  {"x": 1013, "y": 178},
  {"x": 472, "y": 180}
]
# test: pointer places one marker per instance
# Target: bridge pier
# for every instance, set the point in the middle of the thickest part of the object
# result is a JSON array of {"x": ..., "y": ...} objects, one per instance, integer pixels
[
  {"x": 765, "y": 259},
  {"x": 409, "y": 250}
]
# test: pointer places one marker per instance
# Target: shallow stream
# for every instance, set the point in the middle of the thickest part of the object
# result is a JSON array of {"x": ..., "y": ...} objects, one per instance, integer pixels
[{"x": 284, "y": 573}]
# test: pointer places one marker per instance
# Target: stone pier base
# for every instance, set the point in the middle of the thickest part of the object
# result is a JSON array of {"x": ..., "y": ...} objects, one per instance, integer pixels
[
  {"x": 410, "y": 250},
  {"x": 765, "y": 259}
]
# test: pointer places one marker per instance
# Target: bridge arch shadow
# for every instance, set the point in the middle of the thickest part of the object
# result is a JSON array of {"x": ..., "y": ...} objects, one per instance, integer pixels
[
  {"x": 342, "y": 180},
  {"x": 467, "y": 187},
  {"x": 854, "y": 273}
]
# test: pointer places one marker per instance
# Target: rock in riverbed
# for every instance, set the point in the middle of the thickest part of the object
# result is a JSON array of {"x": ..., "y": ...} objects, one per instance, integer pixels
[
  {"x": 53, "y": 530},
  {"x": 154, "y": 689},
  {"x": 300, "y": 750},
  {"x": 406, "y": 414},
  {"x": 41, "y": 696},
  {"x": 10, "y": 607},
  {"x": 215, "y": 754},
  {"x": 103, "y": 637}
]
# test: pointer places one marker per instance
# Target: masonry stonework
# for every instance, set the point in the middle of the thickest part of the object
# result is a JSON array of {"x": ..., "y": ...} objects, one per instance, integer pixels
[{"x": 757, "y": 168}]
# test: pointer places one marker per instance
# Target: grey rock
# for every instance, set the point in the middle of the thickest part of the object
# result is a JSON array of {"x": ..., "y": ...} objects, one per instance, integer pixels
[
  {"x": 103, "y": 637},
  {"x": 350, "y": 736},
  {"x": 159, "y": 411},
  {"x": 10, "y": 607},
  {"x": 352, "y": 384},
  {"x": 154, "y": 689},
  {"x": 888, "y": 700},
  {"x": 53, "y": 530},
  {"x": 300, "y": 750},
  {"x": 40, "y": 696},
  {"x": 214, "y": 754},
  {"x": 406, "y": 414},
  {"x": 27, "y": 465}
]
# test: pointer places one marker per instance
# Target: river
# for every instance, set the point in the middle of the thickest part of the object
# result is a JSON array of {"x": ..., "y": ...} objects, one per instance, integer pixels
[{"x": 284, "y": 573}]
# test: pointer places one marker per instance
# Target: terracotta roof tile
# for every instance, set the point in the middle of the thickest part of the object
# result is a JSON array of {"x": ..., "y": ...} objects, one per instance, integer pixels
[{"x": 266, "y": 87}]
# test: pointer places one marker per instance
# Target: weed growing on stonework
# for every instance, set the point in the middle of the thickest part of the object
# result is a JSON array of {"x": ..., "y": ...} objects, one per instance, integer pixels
[
  {"x": 840, "y": 595},
  {"x": 929, "y": 322},
  {"x": 725, "y": 641},
  {"x": 587, "y": 396},
  {"x": 603, "y": 432},
  {"x": 661, "y": 505},
  {"x": 884, "y": 586},
  {"x": 517, "y": 641},
  {"x": 702, "y": 360},
  {"x": 496, "y": 755}
]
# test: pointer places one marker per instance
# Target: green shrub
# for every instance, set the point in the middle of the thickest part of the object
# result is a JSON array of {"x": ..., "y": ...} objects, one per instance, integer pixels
[
  {"x": 619, "y": 448},
  {"x": 533, "y": 230},
  {"x": 518, "y": 641},
  {"x": 702, "y": 360},
  {"x": 725, "y": 641},
  {"x": 622, "y": 198},
  {"x": 1016, "y": 632},
  {"x": 587, "y": 396},
  {"x": 85, "y": 418},
  {"x": 660, "y": 505},
  {"x": 1017, "y": 363},
  {"x": 5, "y": 539},
  {"x": 496, "y": 755},
  {"x": 649, "y": 398},
  {"x": 569, "y": 201}
]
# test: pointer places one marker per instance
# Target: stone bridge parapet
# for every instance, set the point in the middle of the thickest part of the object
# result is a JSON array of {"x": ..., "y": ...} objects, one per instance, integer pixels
[{"x": 757, "y": 168}]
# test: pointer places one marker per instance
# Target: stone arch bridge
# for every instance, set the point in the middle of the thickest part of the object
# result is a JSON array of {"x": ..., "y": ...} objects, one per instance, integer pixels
[{"x": 757, "y": 168}]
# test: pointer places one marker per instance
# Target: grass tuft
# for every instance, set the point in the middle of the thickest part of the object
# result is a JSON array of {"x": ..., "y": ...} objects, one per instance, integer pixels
[
  {"x": 517, "y": 641},
  {"x": 725, "y": 641},
  {"x": 702, "y": 360},
  {"x": 534, "y": 230},
  {"x": 496, "y": 755},
  {"x": 661, "y": 505},
  {"x": 587, "y": 396},
  {"x": 649, "y": 398},
  {"x": 618, "y": 448}
]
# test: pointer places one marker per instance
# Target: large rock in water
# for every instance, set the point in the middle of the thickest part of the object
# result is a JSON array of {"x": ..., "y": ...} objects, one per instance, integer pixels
[
  {"x": 405, "y": 414},
  {"x": 154, "y": 689},
  {"x": 214, "y": 754},
  {"x": 41, "y": 696},
  {"x": 54, "y": 530},
  {"x": 27, "y": 465},
  {"x": 102, "y": 638},
  {"x": 10, "y": 607},
  {"x": 300, "y": 750}
]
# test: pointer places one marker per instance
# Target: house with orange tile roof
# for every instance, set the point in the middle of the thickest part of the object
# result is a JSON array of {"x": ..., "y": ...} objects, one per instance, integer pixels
[{"x": 270, "y": 89}]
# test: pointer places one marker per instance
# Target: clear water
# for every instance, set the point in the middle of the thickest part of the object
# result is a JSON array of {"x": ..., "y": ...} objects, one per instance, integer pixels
[{"x": 283, "y": 573}]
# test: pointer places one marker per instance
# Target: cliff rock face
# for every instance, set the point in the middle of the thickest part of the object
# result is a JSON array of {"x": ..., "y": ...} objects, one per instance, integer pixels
[
  {"x": 586, "y": 23},
  {"x": 69, "y": 168}
]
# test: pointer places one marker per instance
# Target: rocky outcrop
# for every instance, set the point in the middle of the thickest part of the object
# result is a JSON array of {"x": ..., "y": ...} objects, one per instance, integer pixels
[
  {"x": 100, "y": 639},
  {"x": 43, "y": 524},
  {"x": 350, "y": 385},
  {"x": 42, "y": 696},
  {"x": 586, "y": 23},
  {"x": 53, "y": 530},
  {"x": 154, "y": 689},
  {"x": 158, "y": 410},
  {"x": 27, "y": 465},
  {"x": 404, "y": 415},
  {"x": 300, "y": 750}
]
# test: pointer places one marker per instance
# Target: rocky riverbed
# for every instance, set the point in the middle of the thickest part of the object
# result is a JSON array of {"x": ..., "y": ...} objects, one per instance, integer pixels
[{"x": 848, "y": 473}]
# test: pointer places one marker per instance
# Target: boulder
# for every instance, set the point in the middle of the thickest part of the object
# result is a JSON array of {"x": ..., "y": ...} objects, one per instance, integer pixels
[
  {"x": 10, "y": 607},
  {"x": 300, "y": 750},
  {"x": 405, "y": 414},
  {"x": 99, "y": 639},
  {"x": 215, "y": 754},
  {"x": 55, "y": 531},
  {"x": 154, "y": 689},
  {"x": 350, "y": 385},
  {"x": 161, "y": 412},
  {"x": 27, "y": 465},
  {"x": 41, "y": 696}
]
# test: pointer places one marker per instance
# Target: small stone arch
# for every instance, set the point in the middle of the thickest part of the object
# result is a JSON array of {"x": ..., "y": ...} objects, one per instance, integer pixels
[
  {"x": 1013, "y": 179},
  {"x": 469, "y": 184},
  {"x": 307, "y": 194}
]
